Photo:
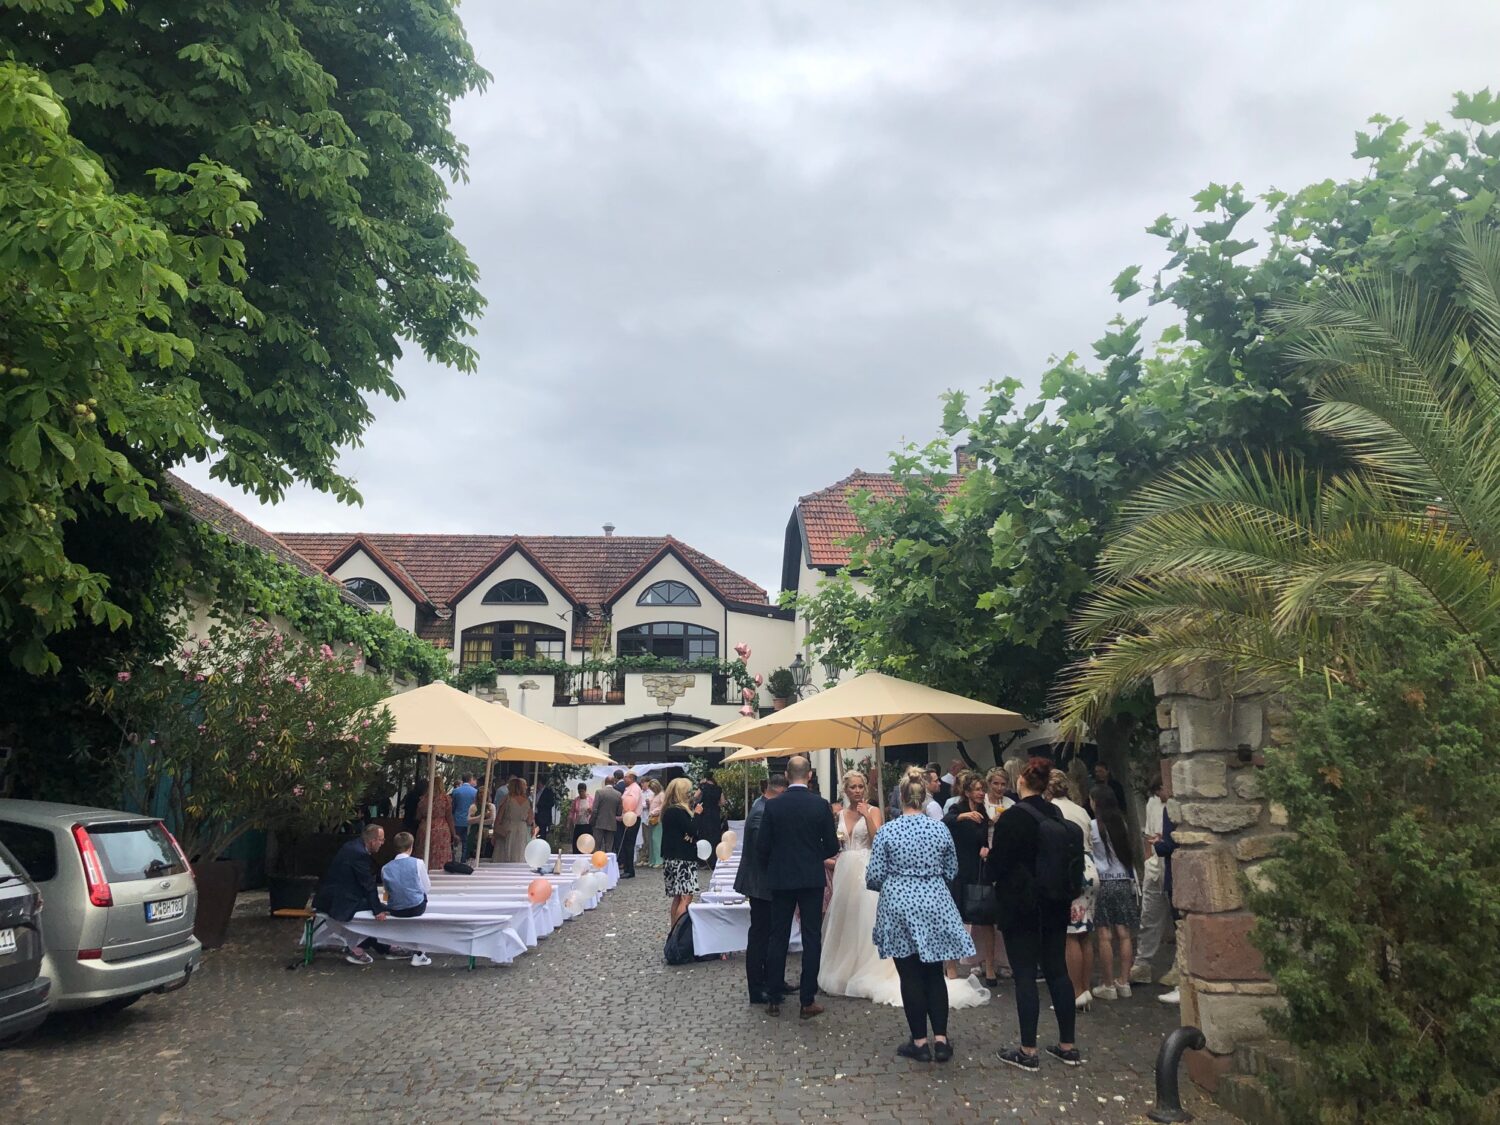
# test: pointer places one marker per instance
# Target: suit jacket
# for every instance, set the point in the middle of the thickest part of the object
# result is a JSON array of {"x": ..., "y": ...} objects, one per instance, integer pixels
[
  {"x": 751, "y": 880},
  {"x": 796, "y": 835},
  {"x": 606, "y": 809},
  {"x": 349, "y": 884}
]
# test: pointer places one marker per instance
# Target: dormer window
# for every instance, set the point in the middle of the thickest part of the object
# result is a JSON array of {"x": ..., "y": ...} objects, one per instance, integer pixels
[
  {"x": 515, "y": 591},
  {"x": 668, "y": 593},
  {"x": 670, "y": 640},
  {"x": 368, "y": 591}
]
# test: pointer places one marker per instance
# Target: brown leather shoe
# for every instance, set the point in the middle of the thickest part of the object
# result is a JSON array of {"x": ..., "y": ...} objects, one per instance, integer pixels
[
  {"x": 773, "y": 1008},
  {"x": 810, "y": 1010}
]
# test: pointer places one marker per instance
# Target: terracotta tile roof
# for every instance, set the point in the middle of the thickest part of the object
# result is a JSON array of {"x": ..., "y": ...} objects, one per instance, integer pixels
[
  {"x": 828, "y": 521},
  {"x": 589, "y": 568},
  {"x": 219, "y": 515}
]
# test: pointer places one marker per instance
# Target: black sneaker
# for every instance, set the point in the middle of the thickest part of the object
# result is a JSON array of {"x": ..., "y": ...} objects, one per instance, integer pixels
[
  {"x": 1014, "y": 1056},
  {"x": 942, "y": 1049},
  {"x": 1070, "y": 1057},
  {"x": 909, "y": 1050}
]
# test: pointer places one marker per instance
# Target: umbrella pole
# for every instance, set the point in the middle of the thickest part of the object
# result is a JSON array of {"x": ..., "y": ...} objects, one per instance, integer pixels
[
  {"x": 489, "y": 770},
  {"x": 431, "y": 797},
  {"x": 880, "y": 785}
]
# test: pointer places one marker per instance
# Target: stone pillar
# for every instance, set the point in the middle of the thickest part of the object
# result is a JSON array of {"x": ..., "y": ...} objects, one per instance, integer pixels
[{"x": 1212, "y": 740}]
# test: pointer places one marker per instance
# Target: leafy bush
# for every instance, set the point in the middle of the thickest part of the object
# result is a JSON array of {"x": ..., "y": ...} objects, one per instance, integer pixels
[
  {"x": 1380, "y": 916},
  {"x": 245, "y": 728},
  {"x": 781, "y": 685},
  {"x": 732, "y": 779}
]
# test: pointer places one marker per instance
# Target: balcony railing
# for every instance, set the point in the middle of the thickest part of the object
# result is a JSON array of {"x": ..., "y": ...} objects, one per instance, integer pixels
[{"x": 570, "y": 688}]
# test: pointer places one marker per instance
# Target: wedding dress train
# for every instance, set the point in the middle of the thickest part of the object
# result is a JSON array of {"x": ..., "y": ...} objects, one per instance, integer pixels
[{"x": 851, "y": 964}]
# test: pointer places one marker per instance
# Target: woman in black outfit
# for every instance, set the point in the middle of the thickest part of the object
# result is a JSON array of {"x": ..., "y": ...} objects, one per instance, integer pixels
[
  {"x": 679, "y": 849},
  {"x": 970, "y": 826},
  {"x": 412, "y": 805},
  {"x": 710, "y": 825},
  {"x": 1035, "y": 929}
]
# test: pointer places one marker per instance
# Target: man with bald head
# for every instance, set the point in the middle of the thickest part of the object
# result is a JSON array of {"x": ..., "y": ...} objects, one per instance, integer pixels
[{"x": 796, "y": 835}]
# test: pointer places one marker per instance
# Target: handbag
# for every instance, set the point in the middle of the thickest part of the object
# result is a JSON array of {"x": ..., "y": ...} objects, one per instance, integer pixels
[
  {"x": 979, "y": 906},
  {"x": 653, "y": 820}
]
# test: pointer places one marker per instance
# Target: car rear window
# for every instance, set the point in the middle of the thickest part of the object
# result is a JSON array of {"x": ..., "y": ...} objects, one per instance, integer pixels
[
  {"x": 32, "y": 847},
  {"x": 135, "y": 851}
]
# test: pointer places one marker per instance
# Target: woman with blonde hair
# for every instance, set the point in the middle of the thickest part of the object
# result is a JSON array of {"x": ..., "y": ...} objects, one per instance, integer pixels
[
  {"x": 678, "y": 848},
  {"x": 515, "y": 824},
  {"x": 911, "y": 863},
  {"x": 653, "y": 821},
  {"x": 851, "y": 908},
  {"x": 1080, "y": 948}
]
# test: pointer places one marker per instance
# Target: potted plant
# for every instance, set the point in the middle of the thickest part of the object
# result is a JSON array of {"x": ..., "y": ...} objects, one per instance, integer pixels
[
  {"x": 782, "y": 686},
  {"x": 243, "y": 729},
  {"x": 594, "y": 665}
]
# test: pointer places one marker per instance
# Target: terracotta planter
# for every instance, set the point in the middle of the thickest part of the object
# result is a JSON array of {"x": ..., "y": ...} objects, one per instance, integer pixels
[
  {"x": 614, "y": 697},
  {"x": 218, "y": 883},
  {"x": 779, "y": 703},
  {"x": 593, "y": 695}
]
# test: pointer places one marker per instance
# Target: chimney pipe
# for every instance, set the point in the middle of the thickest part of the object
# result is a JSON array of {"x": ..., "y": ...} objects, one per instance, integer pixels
[{"x": 609, "y": 529}]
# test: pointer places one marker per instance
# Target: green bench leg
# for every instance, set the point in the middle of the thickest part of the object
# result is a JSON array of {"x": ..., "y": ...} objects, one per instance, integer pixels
[{"x": 307, "y": 942}]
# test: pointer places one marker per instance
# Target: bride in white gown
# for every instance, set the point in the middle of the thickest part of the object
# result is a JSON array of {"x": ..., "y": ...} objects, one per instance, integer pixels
[{"x": 851, "y": 965}]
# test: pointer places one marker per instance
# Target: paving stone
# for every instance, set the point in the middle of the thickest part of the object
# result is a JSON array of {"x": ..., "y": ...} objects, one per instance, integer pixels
[{"x": 586, "y": 1028}]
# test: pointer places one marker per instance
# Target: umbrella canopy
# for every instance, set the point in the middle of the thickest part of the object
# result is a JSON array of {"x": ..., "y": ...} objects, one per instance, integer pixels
[
  {"x": 443, "y": 720},
  {"x": 867, "y": 712},
  {"x": 720, "y": 735}
]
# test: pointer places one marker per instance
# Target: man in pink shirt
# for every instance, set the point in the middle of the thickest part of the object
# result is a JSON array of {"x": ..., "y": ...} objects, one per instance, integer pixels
[{"x": 630, "y": 801}]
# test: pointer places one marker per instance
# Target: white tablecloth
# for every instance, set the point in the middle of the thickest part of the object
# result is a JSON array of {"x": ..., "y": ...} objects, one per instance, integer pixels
[
  {"x": 490, "y": 883},
  {"x": 547, "y": 916},
  {"x": 571, "y": 865},
  {"x": 499, "y": 937},
  {"x": 725, "y": 927}
]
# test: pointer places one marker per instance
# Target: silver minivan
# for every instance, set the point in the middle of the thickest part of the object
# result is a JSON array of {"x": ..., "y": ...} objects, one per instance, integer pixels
[{"x": 120, "y": 897}]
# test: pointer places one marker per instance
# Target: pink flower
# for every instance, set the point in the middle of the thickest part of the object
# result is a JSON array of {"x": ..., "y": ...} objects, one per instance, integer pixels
[
  {"x": 759, "y": 679},
  {"x": 365, "y": 723},
  {"x": 296, "y": 790},
  {"x": 123, "y": 677},
  {"x": 202, "y": 728},
  {"x": 326, "y": 652},
  {"x": 254, "y": 756},
  {"x": 327, "y": 785},
  {"x": 199, "y": 678}
]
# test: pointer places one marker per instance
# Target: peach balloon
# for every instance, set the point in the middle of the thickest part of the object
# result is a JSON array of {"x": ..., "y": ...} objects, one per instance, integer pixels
[
  {"x": 628, "y": 819},
  {"x": 601, "y": 859},
  {"x": 539, "y": 891},
  {"x": 584, "y": 844},
  {"x": 724, "y": 850}
]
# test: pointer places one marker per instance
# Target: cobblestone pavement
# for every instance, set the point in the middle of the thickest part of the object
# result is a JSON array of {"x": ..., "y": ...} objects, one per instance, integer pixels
[{"x": 589, "y": 1027}]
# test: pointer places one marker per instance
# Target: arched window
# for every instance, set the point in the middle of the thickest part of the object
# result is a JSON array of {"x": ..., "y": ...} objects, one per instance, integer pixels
[
  {"x": 670, "y": 639},
  {"x": 515, "y": 591},
  {"x": 511, "y": 640},
  {"x": 368, "y": 591},
  {"x": 668, "y": 593}
]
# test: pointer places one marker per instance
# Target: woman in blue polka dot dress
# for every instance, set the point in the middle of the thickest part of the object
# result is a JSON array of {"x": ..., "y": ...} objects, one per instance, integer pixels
[{"x": 912, "y": 860}]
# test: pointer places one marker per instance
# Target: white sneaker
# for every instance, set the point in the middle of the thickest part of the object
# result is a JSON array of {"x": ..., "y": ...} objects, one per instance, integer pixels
[
  {"x": 1140, "y": 973},
  {"x": 1173, "y": 997},
  {"x": 1122, "y": 989},
  {"x": 420, "y": 959},
  {"x": 1104, "y": 992},
  {"x": 358, "y": 956}
]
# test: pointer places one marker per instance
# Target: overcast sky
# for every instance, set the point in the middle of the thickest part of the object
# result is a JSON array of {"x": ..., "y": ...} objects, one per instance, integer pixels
[{"x": 734, "y": 250}]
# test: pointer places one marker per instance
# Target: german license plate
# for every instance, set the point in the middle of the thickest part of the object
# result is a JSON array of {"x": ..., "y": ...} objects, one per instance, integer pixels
[
  {"x": 7, "y": 942},
  {"x": 166, "y": 908}
]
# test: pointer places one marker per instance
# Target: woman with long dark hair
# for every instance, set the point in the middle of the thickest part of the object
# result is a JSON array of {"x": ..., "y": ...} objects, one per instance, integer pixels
[
  {"x": 1117, "y": 912},
  {"x": 969, "y": 824}
]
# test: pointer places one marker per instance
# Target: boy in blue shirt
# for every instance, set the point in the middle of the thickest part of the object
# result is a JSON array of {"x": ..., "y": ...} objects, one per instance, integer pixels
[{"x": 406, "y": 886}]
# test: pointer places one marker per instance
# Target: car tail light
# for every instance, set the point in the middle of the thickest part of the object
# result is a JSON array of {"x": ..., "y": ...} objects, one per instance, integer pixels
[
  {"x": 90, "y": 954},
  {"x": 182, "y": 855},
  {"x": 93, "y": 870}
]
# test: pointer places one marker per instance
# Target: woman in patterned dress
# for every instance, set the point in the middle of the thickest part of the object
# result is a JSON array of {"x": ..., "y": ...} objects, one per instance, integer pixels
[
  {"x": 440, "y": 811},
  {"x": 912, "y": 860},
  {"x": 678, "y": 848}
]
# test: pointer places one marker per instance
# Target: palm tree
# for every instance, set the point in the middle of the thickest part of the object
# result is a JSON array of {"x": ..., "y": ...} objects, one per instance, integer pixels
[{"x": 1258, "y": 563}]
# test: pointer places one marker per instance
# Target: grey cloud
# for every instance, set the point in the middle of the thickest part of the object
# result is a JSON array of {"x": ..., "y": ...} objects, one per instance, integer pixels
[{"x": 733, "y": 250}]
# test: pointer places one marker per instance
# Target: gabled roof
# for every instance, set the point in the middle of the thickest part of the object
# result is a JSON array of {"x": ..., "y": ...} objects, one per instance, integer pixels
[
  {"x": 827, "y": 521},
  {"x": 391, "y": 569},
  {"x": 587, "y": 568},
  {"x": 673, "y": 548}
]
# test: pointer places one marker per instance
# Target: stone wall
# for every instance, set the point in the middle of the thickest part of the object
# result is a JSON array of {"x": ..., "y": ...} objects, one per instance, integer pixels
[{"x": 1212, "y": 741}]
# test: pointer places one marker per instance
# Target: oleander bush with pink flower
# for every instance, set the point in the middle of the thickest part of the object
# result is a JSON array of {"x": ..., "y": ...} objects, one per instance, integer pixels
[{"x": 246, "y": 728}]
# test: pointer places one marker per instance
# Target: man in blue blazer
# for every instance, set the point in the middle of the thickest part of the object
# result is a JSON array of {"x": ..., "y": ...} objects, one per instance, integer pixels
[{"x": 796, "y": 835}]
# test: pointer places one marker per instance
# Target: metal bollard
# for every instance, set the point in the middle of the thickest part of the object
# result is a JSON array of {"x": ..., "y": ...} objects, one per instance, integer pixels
[{"x": 1168, "y": 1100}]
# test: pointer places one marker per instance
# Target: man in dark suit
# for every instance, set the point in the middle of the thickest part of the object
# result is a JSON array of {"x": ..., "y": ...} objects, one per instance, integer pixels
[
  {"x": 349, "y": 887},
  {"x": 796, "y": 835},
  {"x": 751, "y": 882}
]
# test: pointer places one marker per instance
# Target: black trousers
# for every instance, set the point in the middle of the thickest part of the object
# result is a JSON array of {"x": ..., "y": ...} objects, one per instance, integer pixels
[
  {"x": 411, "y": 911},
  {"x": 756, "y": 948},
  {"x": 1045, "y": 946},
  {"x": 924, "y": 995},
  {"x": 807, "y": 901},
  {"x": 627, "y": 849}
]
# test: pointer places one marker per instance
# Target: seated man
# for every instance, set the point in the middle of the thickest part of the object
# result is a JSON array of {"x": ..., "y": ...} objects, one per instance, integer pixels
[
  {"x": 349, "y": 887},
  {"x": 406, "y": 886}
]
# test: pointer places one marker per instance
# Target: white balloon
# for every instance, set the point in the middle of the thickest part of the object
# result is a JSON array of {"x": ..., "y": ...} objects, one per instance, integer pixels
[
  {"x": 705, "y": 849},
  {"x": 538, "y": 852},
  {"x": 592, "y": 884},
  {"x": 573, "y": 903}
]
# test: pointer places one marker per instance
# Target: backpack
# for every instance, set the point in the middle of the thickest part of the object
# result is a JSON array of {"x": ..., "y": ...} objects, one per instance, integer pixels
[
  {"x": 1059, "y": 857},
  {"x": 454, "y": 867},
  {"x": 679, "y": 947}
]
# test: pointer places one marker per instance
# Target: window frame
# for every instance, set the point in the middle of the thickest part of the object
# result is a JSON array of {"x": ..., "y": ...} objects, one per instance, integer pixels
[
  {"x": 688, "y": 634},
  {"x": 540, "y": 599},
  {"x": 493, "y": 631},
  {"x": 683, "y": 587},
  {"x": 348, "y": 584}
]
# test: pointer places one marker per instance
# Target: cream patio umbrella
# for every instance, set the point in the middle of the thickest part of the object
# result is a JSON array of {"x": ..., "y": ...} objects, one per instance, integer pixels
[
  {"x": 443, "y": 720},
  {"x": 867, "y": 711},
  {"x": 723, "y": 735}
]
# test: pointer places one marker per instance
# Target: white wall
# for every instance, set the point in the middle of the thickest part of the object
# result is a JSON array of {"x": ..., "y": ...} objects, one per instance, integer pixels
[
  {"x": 402, "y": 608},
  {"x": 471, "y": 610}
]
